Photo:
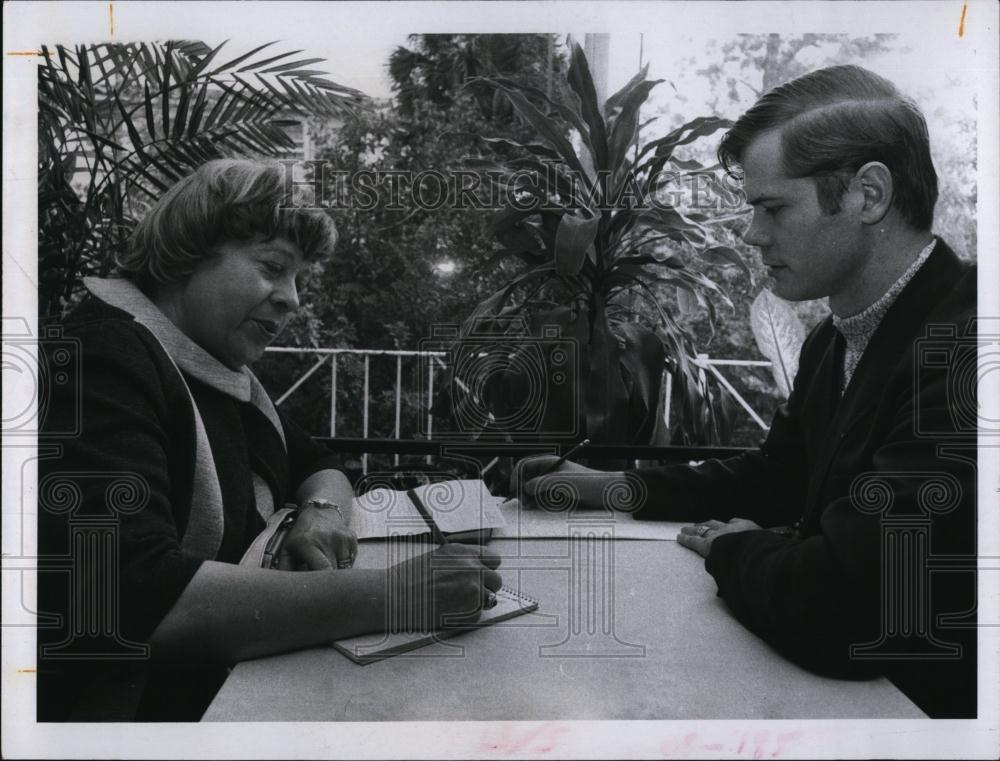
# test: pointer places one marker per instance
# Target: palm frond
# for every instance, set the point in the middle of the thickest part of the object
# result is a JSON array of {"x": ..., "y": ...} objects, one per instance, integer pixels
[{"x": 118, "y": 123}]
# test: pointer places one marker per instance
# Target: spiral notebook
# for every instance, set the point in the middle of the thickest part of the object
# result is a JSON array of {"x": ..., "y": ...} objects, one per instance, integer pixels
[{"x": 374, "y": 647}]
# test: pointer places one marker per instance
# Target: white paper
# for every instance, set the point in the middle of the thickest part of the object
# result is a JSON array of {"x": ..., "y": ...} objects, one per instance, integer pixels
[
  {"x": 543, "y": 524},
  {"x": 461, "y": 505}
]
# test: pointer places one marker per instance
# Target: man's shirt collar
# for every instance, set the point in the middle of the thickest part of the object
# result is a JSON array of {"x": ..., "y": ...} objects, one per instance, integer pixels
[{"x": 858, "y": 329}]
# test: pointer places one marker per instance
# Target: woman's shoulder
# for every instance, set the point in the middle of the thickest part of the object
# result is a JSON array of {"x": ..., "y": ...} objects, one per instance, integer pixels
[
  {"x": 108, "y": 340},
  {"x": 91, "y": 312},
  {"x": 101, "y": 325}
]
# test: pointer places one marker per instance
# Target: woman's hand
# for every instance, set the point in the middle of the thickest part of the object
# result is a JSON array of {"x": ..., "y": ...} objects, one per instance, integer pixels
[
  {"x": 568, "y": 485},
  {"x": 318, "y": 540},
  {"x": 447, "y": 586}
]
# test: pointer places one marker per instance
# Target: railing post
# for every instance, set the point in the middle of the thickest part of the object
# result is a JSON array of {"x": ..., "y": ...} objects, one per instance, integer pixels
[
  {"x": 668, "y": 393},
  {"x": 702, "y": 362},
  {"x": 399, "y": 391},
  {"x": 333, "y": 396},
  {"x": 364, "y": 421},
  {"x": 319, "y": 363},
  {"x": 430, "y": 404},
  {"x": 738, "y": 397}
]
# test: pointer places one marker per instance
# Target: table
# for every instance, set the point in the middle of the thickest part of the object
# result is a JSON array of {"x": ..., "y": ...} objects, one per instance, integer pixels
[{"x": 626, "y": 629}]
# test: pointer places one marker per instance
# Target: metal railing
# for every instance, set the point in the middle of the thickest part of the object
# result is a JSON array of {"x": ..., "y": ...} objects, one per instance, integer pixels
[
  {"x": 329, "y": 358},
  {"x": 712, "y": 365}
]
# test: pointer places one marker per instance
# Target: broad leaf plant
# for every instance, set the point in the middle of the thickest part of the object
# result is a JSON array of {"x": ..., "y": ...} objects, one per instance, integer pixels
[{"x": 600, "y": 246}]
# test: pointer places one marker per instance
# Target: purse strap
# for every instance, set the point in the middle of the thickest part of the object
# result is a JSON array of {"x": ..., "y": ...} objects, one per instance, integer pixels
[{"x": 263, "y": 550}]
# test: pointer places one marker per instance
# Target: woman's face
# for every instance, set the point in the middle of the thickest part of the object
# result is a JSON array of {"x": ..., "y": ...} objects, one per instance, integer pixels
[{"x": 237, "y": 302}]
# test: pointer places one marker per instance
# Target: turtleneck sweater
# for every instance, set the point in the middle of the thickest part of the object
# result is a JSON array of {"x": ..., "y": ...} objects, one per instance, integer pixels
[{"x": 858, "y": 329}]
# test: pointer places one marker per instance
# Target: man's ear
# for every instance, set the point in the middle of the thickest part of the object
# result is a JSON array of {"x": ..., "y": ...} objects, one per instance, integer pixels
[{"x": 875, "y": 182}]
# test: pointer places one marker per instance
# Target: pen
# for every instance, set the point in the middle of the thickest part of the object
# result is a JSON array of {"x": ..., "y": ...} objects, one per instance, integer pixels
[
  {"x": 439, "y": 537},
  {"x": 565, "y": 457}
]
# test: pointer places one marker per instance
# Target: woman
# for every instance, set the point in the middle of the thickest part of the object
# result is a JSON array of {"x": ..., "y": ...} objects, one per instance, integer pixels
[{"x": 167, "y": 405}]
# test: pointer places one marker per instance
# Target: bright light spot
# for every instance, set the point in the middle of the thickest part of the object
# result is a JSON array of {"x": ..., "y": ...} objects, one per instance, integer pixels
[{"x": 446, "y": 267}]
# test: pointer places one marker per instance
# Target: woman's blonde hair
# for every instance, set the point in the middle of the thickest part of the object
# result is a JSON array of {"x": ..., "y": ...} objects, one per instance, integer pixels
[{"x": 223, "y": 200}]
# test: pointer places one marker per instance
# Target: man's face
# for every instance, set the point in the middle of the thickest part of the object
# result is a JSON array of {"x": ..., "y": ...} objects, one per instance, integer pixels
[{"x": 809, "y": 253}]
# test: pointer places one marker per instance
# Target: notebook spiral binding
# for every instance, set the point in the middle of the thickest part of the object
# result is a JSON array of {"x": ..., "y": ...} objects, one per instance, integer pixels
[{"x": 521, "y": 597}]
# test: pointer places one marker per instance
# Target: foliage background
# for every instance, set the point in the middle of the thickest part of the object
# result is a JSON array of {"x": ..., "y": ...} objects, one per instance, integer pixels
[
  {"x": 742, "y": 69},
  {"x": 386, "y": 287},
  {"x": 383, "y": 290}
]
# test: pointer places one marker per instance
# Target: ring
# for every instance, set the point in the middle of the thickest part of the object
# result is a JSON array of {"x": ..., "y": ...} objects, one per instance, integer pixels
[
  {"x": 346, "y": 563},
  {"x": 702, "y": 530},
  {"x": 491, "y": 601}
]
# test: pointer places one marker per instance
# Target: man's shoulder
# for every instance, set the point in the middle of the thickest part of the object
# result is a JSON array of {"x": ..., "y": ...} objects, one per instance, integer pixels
[
  {"x": 941, "y": 293},
  {"x": 953, "y": 277},
  {"x": 959, "y": 301},
  {"x": 950, "y": 303}
]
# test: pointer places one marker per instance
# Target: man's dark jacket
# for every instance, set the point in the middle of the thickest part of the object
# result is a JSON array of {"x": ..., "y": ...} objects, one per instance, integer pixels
[{"x": 880, "y": 484}]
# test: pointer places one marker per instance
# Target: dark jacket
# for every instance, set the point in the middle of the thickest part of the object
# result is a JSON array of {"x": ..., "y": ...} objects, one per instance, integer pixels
[
  {"x": 887, "y": 469},
  {"x": 117, "y": 466}
]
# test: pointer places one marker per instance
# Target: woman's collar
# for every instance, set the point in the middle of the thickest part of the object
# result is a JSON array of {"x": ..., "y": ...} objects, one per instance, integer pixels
[{"x": 189, "y": 356}]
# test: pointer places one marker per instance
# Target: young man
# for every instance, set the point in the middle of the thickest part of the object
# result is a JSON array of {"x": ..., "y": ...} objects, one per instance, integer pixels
[{"x": 848, "y": 539}]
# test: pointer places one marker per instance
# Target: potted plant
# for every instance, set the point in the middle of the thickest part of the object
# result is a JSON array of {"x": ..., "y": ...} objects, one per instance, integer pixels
[{"x": 599, "y": 242}]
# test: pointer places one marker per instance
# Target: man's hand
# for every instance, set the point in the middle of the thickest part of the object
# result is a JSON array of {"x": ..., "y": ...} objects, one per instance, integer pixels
[
  {"x": 318, "y": 540},
  {"x": 449, "y": 585},
  {"x": 700, "y": 536},
  {"x": 568, "y": 485}
]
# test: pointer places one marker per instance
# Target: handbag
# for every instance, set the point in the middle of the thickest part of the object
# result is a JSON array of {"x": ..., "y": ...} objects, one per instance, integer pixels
[{"x": 264, "y": 549}]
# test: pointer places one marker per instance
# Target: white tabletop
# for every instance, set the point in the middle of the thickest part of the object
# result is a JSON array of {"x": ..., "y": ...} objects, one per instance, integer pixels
[{"x": 626, "y": 629}]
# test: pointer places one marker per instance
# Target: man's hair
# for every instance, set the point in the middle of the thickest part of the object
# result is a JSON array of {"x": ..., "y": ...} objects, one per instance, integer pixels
[
  {"x": 834, "y": 121},
  {"x": 223, "y": 200}
]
